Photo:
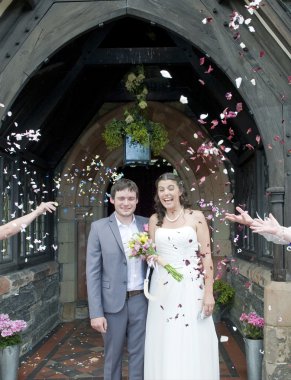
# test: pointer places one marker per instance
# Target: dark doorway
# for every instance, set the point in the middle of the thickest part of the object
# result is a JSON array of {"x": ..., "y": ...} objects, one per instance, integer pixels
[{"x": 144, "y": 177}]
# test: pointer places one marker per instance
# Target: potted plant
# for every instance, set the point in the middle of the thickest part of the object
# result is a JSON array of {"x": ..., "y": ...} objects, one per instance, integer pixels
[
  {"x": 253, "y": 332},
  {"x": 10, "y": 340},
  {"x": 224, "y": 294},
  {"x": 135, "y": 122}
]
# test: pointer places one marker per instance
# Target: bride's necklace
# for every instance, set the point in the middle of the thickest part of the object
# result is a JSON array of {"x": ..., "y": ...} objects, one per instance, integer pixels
[{"x": 177, "y": 217}]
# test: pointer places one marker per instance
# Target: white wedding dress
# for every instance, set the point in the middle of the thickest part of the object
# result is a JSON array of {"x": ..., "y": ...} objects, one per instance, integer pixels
[{"x": 178, "y": 345}]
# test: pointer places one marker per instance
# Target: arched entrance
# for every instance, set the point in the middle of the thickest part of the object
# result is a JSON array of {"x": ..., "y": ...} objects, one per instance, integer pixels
[
  {"x": 144, "y": 177},
  {"x": 205, "y": 180},
  {"x": 66, "y": 68}
]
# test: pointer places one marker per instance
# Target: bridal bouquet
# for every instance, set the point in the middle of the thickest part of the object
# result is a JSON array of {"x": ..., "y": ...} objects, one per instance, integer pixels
[{"x": 142, "y": 246}]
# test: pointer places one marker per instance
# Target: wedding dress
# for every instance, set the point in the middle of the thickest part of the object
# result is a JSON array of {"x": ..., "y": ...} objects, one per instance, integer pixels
[{"x": 179, "y": 345}]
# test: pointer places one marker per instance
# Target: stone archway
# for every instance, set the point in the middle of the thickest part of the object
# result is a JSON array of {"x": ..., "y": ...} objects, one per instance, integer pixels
[
  {"x": 50, "y": 26},
  {"x": 54, "y": 24},
  {"x": 78, "y": 211}
]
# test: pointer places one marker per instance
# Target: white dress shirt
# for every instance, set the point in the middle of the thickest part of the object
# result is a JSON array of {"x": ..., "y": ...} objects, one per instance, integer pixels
[{"x": 135, "y": 275}]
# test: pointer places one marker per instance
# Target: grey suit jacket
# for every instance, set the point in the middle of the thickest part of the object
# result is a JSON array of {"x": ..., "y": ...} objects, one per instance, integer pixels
[{"x": 106, "y": 266}]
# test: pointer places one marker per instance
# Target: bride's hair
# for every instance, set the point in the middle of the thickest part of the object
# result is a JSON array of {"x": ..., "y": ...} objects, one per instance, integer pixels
[{"x": 160, "y": 209}]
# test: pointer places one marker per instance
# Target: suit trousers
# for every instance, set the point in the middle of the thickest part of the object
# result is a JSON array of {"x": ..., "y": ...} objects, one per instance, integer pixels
[{"x": 126, "y": 327}]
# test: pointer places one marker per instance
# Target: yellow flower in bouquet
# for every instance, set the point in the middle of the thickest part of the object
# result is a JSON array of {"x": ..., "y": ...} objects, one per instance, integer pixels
[{"x": 142, "y": 246}]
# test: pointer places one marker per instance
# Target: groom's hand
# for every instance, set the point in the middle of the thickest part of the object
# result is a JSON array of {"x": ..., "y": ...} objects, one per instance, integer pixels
[{"x": 99, "y": 324}]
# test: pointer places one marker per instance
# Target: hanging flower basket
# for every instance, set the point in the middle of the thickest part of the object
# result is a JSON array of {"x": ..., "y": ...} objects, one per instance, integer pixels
[{"x": 135, "y": 122}]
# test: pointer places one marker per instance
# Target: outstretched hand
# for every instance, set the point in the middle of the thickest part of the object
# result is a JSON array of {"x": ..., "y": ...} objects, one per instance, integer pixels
[
  {"x": 269, "y": 225},
  {"x": 46, "y": 206},
  {"x": 242, "y": 218}
]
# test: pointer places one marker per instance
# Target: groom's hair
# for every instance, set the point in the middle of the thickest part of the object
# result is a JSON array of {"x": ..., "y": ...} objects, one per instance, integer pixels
[{"x": 123, "y": 184}]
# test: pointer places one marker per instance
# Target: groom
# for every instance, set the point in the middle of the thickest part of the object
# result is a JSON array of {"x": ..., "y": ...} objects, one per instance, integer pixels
[{"x": 117, "y": 305}]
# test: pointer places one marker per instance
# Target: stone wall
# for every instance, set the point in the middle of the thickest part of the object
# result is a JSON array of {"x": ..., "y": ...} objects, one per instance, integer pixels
[
  {"x": 277, "y": 335},
  {"x": 249, "y": 286},
  {"x": 32, "y": 295}
]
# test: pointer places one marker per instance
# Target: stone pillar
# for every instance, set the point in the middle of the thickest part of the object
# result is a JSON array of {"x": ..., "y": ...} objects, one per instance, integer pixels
[
  {"x": 277, "y": 209},
  {"x": 68, "y": 263},
  {"x": 277, "y": 334},
  {"x": 81, "y": 239}
]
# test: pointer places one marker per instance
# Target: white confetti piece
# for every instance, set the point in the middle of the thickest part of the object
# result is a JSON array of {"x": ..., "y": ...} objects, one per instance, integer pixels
[
  {"x": 223, "y": 339},
  {"x": 165, "y": 74},
  {"x": 238, "y": 82},
  {"x": 183, "y": 99}
]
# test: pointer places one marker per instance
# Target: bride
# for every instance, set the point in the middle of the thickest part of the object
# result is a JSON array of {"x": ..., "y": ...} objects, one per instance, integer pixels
[{"x": 181, "y": 342}]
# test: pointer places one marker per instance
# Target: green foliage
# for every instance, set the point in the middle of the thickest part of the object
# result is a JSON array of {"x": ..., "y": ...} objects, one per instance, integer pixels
[
  {"x": 223, "y": 293},
  {"x": 159, "y": 138},
  {"x": 136, "y": 123},
  {"x": 11, "y": 340},
  {"x": 113, "y": 134}
]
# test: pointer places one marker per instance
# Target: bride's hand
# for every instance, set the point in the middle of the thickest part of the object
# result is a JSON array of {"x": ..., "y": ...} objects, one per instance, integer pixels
[
  {"x": 155, "y": 259},
  {"x": 208, "y": 304}
]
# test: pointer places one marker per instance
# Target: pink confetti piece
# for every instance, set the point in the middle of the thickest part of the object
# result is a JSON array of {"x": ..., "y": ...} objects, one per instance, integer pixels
[
  {"x": 214, "y": 123},
  {"x": 207, "y": 20},
  {"x": 208, "y": 71},
  {"x": 236, "y": 36},
  {"x": 239, "y": 107},
  {"x": 201, "y": 61},
  {"x": 256, "y": 69}
]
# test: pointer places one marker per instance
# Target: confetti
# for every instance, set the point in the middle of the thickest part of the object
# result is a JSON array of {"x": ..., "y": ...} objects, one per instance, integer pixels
[
  {"x": 183, "y": 99},
  {"x": 165, "y": 74},
  {"x": 207, "y": 20},
  {"x": 238, "y": 82}
]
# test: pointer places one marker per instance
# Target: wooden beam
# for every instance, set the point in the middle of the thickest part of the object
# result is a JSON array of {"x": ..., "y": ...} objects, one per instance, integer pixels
[
  {"x": 134, "y": 56},
  {"x": 4, "y": 5},
  {"x": 30, "y": 4}
]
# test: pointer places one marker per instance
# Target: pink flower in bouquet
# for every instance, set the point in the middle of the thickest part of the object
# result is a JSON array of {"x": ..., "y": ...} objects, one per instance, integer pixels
[
  {"x": 142, "y": 246},
  {"x": 9, "y": 331}
]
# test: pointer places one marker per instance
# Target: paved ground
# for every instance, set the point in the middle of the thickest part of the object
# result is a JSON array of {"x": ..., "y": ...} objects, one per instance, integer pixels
[{"x": 75, "y": 351}]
